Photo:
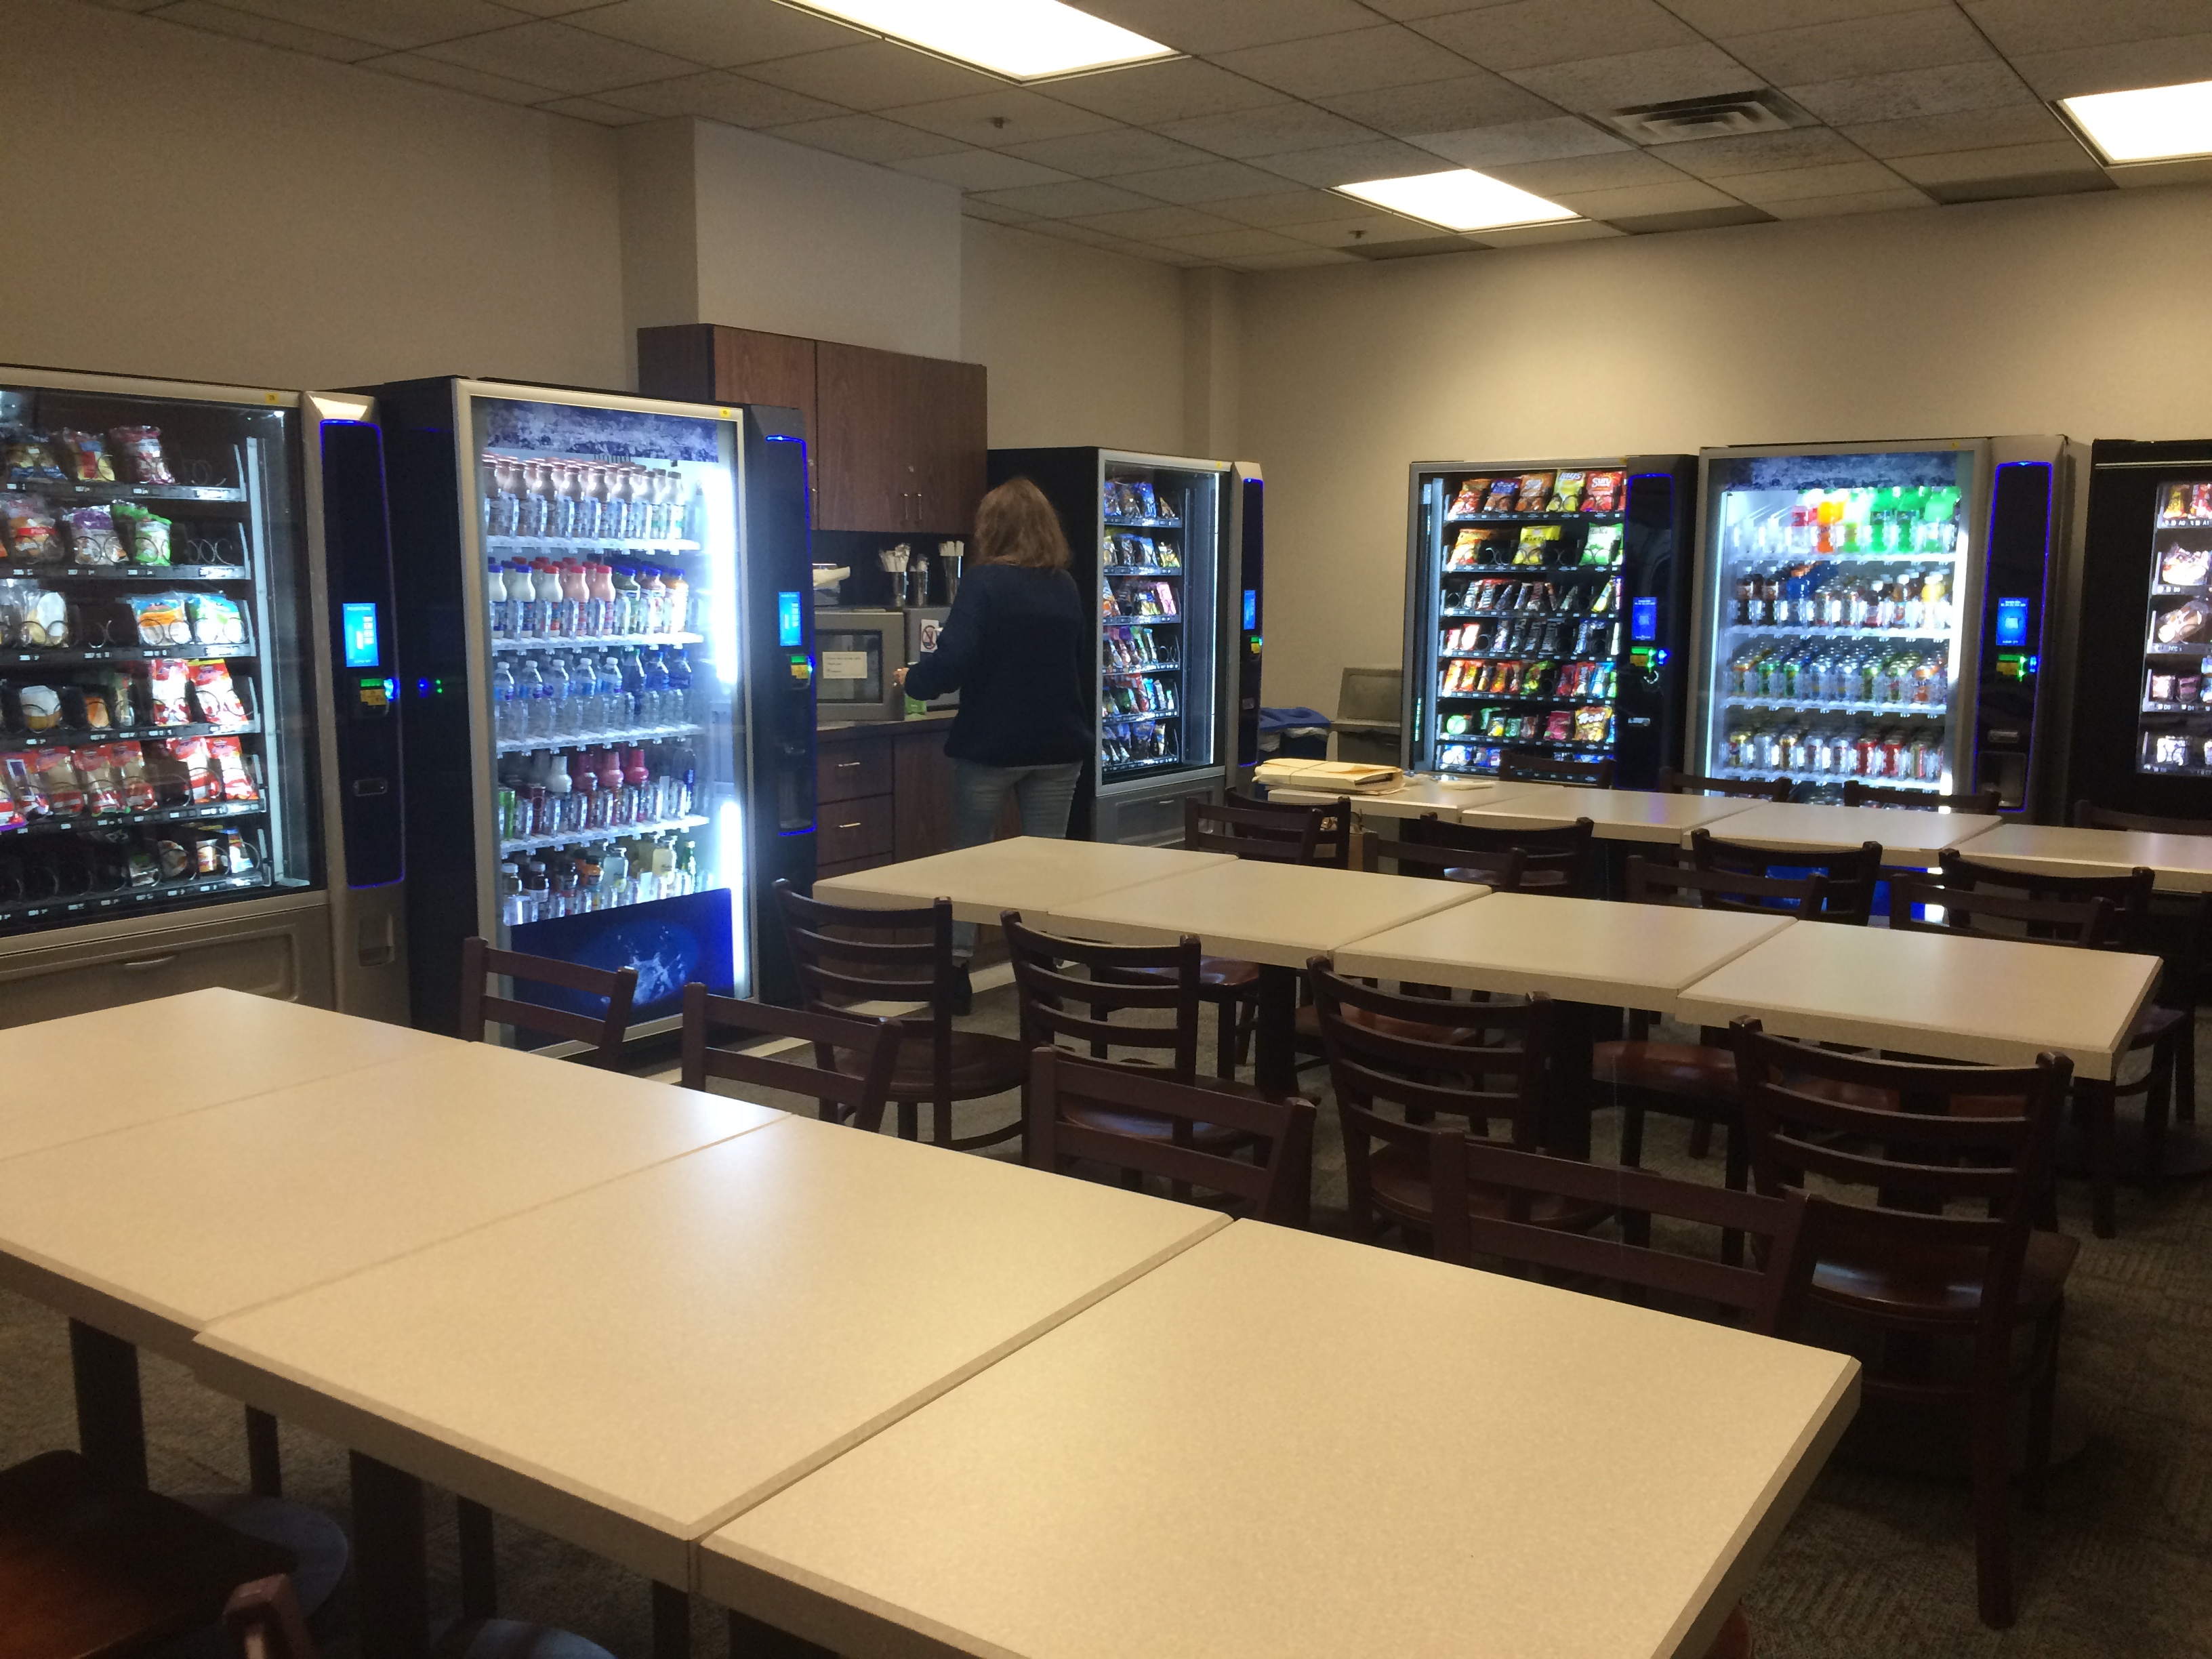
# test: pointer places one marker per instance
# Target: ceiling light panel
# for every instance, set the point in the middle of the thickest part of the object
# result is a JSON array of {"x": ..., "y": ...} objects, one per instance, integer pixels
[
  {"x": 1021, "y": 39},
  {"x": 2155, "y": 124},
  {"x": 1459, "y": 199}
]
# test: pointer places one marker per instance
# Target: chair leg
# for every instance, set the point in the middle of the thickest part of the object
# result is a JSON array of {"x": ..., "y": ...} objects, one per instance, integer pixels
[
  {"x": 479, "y": 1567},
  {"x": 1992, "y": 1511},
  {"x": 2184, "y": 1070},
  {"x": 1225, "y": 1042},
  {"x": 1701, "y": 1138},
  {"x": 940, "y": 1121},
  {"x": 909, "y": 1124},
  {"x": 2042, "y": 1401},
  {"x": 2095, "y": 1098},
  {"x": 1736, "y": 1152},
  {"x": 1632, "y": 1135}
]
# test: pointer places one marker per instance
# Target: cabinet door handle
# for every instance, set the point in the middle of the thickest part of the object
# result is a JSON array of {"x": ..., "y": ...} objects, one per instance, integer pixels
[
  {"x": 854, "y": 824},
  {"x": 147, "y": 964},
  {"x": 846, "y": 766}
]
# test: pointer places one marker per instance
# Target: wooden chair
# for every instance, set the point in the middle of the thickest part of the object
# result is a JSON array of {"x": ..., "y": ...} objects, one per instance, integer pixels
[
  {"x": 2089, "y": 923},
  {"x": 1501, "y": 870},
  {"x": 1531, "y": 766},
  {"x": 1937, "y": 1243},
  {"x": 1857, "y": 793},
  {"x": 853, "y": 1055},
  {"x": 844, "y": 955},
  {"x": 1070, "y": 1099},
  {"x": 1333, "y": 820},
  {"x": 601, "y": 1036},
  {"x": 1672, "y": 783},
  {"x": 1560, "y": 862},
  {"x": 1849, "y": 874}
]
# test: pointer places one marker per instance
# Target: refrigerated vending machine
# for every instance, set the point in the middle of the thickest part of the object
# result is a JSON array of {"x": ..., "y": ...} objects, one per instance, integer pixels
[
  {"x": 195, "y": 789},
  {"x": 1171, "y": 547},
  {"x": 1545, "y": 608},
  {"x": 606, "y": 676},
  {"x": 1877, "y": 612},
  {"x": 2141, "y": 735}
]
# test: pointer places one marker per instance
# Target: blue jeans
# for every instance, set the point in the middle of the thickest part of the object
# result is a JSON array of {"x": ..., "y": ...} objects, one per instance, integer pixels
[{"x": 1044, "y": 794}]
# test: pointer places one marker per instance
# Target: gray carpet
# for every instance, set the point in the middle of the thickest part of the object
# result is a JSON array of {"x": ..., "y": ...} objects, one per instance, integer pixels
[{"x": 1876, "y": 1564}]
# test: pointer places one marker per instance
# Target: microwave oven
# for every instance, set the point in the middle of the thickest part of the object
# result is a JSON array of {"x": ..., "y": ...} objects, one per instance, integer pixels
[{"x": 857, "y": 652}]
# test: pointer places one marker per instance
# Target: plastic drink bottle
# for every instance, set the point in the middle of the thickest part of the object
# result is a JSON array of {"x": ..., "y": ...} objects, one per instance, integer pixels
[
  {"x": 685, "y": 766},
  {"x": 557, "y": 689},
  {"x": 601, "y": 610},
  {"x": 574, "y": 596},
  {"x": 614, "y": 880},
  {"x": 622, "y": 616},
  {"x": 557, "y": 796},
  {"x": 502, "y": 703},
  {"x": 654, "y": 700},
  {"x": 545, "y": 602},
  {"x": 678, "y": 706},
  {"x": 496, "y": 600},
  {"x": 636, "y": 784},
  {"x": 677, "y": 606},
  {"x": 632, "y": 682},
  {"x": 601, "y": 801},
  {"x": 583, "y": 790},
  {"x": 611, "y": 787},
  {"x": 652, "y": 597},
  {"x": 529, "y": 699}
]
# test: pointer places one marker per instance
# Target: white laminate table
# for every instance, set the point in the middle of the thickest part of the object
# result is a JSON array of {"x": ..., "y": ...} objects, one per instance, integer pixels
[
  {"x": 1203, "y": 1466},
  {"x": 2181, "y": 863},
  {"x": 1415, "y": 797},
  {"x": 1907, "y": 836},
  {"x": 1638, "y": 815},
  {"x": 1029, "y": 873},
  {"x": 1996, "y": 1002}
]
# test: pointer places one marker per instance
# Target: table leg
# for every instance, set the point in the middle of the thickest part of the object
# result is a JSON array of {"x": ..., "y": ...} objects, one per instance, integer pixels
[
  {"x": 1568, "y": 1133},
  {"x": 389, "y": 1572},
  {"x": 751, "y": 1639},
  {"x": 479, "y": 1562},
  {"x": 1274, "y": 1061},
  {"x": 111, "y": 1423},
  {"x": 265, "y": 1462},
  {"x": 671, "y": 1622}
]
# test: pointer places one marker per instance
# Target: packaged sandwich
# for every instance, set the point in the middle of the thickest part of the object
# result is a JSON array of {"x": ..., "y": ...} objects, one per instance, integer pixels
[
  {"x": 41, "y": 706},
  {"x": 103, "y": 787},
  {"x": 146, "y": 535},
  {"x": 214, "y": 694},
  {"x": 2188, "y": 624},
  {"x": 201, "y": 783},
  {"x": 129, "y": 760},
  {"x": 140, "y": 450},
  {"x": 30, "y": 528},
  {"x": 166, "y": 678},
  {"x": 1468, "y": 501},
  {"x": 216, "y": 619},
  {"x": 92, "y": 538},
  {"x": 42, "y": 618},
  {"x": 1603, "y": 493},
  {"x": 1502, "y": 492},
  {"x": 84, "y": 456},
  {"x": 1567, "y": 492},
  {"x": 161, "y": 618}
]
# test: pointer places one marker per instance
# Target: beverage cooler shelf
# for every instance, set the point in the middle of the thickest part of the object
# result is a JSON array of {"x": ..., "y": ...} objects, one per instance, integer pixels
[
  {"x": 88, "y": 906},
  {"x": 1531, "y": 518},
  {"x": 566, "y": 740},
  {"x": 56, "y": 570},
  {"x": 217, "y": 808},
  {"x": 666, "y": 548},
  {"x": 1822, "y": 631},
  {"x": 1821, "y": 706},
  {"x": 602, "y": 833},
  {"x": 1149, "y": 671},
  {"x": 76, "y": 740},
  {"x": 577, "y": 641},
  {"x": 55, "y": 489},
  {"x": 1515, "y": 656},
  {"x": 1570, "y": 569},
  {"x": 63, "y": 655},
  {"x": 1767, "y": 774}
]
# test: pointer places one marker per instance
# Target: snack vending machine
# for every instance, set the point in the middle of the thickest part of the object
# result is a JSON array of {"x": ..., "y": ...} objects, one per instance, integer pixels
[
  {"x": 606, "y": 667},
  {"x": 2141, "y": 737},
  {"x": 1877, "y": 612},
  {"x": 1170, "y": 548},
  {"x": 1545, "y": 602},
  {"x": 191, "y": 792}
]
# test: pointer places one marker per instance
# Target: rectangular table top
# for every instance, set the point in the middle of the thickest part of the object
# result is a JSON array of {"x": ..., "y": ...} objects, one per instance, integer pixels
[
  {"x": 1996, "y": 1002},
  {"x": 155, "y": 1231},
  {"x": 1207, "y": 1463},
  {"x": 1029, "y": 873},
  {"x": 2183, "y": 864},
  {"x": 1279, "y": 914},
  {"x": 1411, "y": 799},
  {"x": 1907, "y": 836},
  {"x": 631, "y": 1366},
  {"x": 1582, "y": 950},
  {"x": 88, "y": 1074},
  {"x": 1614, "y": 814}
]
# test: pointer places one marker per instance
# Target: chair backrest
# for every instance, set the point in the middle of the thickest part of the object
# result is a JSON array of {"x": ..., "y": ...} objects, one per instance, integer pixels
[
  {"x": 1273, "y": 1186},
  {"x": 853, "y": 1093},
  {"x": 2088, "y": 815},
  {"x": 1857, "y": 793},
  {"x": 1766, "y": 1295},
  {"x": 2089, "y": 923},
  {"x": 604, "y": 1036},
  {"x": 1558, "y": 861},
  {"x": 1331, "y": 820},
  {"x": 1057, "y": 1003},
  {"x": 843, "y": 955},
  {"x": 1502, "y": 868},
  {"x": 1851, "y": 873},
  {"x": 1532, "y": 766},
  {"x": 2129, "y": 895},
  {"x": 1928, "y": 1176},
  {"x": 1672, "y": 783},
  {"x": 1724, "y": 889}
]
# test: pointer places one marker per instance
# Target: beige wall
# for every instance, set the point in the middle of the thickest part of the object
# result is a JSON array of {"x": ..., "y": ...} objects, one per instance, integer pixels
[
  {"x": 2085, "y": 315},
  {"x": 182, "y": 204}
]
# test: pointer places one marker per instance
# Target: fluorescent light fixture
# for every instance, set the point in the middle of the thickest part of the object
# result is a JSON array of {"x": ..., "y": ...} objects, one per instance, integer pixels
[
  {"x": 1021, "y": 39},
  {"x": 1459, "y": 199},
  {"x": 2155, "y": 124}
]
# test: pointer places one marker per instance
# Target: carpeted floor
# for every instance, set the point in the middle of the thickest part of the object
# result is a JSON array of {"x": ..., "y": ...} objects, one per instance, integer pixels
[{"x": 1876, "y": 1566}]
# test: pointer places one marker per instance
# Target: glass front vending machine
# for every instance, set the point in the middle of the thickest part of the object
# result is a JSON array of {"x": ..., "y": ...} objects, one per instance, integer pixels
[
  {"x": 1876, "y": 612},
  {"x": 607, "y": 678}
]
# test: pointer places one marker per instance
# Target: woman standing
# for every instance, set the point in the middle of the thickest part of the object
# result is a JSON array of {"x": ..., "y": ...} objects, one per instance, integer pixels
[{"x": 1013, "y": 648}]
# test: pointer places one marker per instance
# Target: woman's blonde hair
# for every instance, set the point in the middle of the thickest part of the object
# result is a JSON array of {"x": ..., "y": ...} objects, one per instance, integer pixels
[{"x": 1015, "y": 525}]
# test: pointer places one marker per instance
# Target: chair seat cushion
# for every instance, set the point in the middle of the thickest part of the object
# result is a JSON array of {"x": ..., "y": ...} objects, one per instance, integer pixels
[
  {"x": 1936, "y": 1281},
  {"x": 1398, "y": 1180},
  {"x": 1305, "y": 1027},
  {"x": 1214, "y": 974},
  {"x": 982, "y": 1065},
  {"x": 1691, "y": 1069}
]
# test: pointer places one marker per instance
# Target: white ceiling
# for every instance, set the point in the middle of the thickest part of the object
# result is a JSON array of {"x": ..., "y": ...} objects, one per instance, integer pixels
[{"x": 1225, "y": 156}]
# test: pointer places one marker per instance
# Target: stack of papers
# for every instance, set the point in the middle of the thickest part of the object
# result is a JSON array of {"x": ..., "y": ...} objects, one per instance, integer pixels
[{"x": 1341, "y": 777}]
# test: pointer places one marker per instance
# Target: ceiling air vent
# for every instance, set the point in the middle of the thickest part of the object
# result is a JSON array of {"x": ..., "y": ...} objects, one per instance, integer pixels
[{"x": 1722, "y": 115}]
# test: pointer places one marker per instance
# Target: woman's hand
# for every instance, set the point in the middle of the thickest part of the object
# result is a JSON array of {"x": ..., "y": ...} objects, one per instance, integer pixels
[{"x": 898, "y": 677}]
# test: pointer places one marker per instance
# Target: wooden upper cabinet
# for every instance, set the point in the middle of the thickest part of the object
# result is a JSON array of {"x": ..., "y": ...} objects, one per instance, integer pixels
[{"x": 896, "y": 443}]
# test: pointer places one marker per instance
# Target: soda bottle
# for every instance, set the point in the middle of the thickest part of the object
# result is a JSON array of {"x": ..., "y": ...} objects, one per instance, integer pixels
[{"x": 636, "y": 780}]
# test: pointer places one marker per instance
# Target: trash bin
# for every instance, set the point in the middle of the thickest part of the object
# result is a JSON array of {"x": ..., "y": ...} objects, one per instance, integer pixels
[
  {"x": 1294, "y": 733},
  {"x": 1367, "y": 716}
]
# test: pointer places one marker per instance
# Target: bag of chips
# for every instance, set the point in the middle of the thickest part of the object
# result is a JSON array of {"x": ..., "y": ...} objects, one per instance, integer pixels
[
  {"x": 92, "y": 538},
  {"x": 1593, "y": 724},
  {"x": 218, "y": 699},
  {"x": 84, "y": 456},
  {"x": 146, "y": 534},
  {"x": 103, "y": 788},
  {"x": 128, "y": 761},
  {"x": 1502, "y": 492},
  {"x": 28, "y": 458},
  {"x": 1603, "y": 494},
  {"x": 1567, "y": 492},
  {"x": 1601, "y": 543},
  {"x": 1535, "y": 490},
  {"x": 190, "y": 754},
  {"x": 59, "y": 781},
  {"x": 216, "y": 619},
  {"x": 140, "y": 446},
  {"x": 30, "y": 528},
  {"x": 166, "y": 678},
  {"x": 229, "y": 756},
  {"x": 161, "y": 619},
  {"x": 1468, "y": 501}
]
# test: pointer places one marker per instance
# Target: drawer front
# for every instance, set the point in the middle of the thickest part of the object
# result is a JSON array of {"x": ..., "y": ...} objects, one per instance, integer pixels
[
  {"x": 1153, "y": 819},
  {"x": 852, "y": 829},
  {"x": 270, "y": 960},
  {"x": 845, "y": 771}
]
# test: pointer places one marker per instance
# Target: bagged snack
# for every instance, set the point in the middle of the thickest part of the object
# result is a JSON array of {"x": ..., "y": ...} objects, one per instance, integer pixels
[
  {"x": 41, "y": 706},
  {"x": 1601, "y": 544},
  {"x": 161, "y": 619},
  {"x": 30, "y": 528},
  {"x": 173, "y": 849},
  {"x": 147, "y": 535},
  {"x": 237, "y": 852},
  {"x": 1109, "y": 503},
  {"x": 1168, "y": 557},
  {"x": 59, "y": 781},
  {"x": 92, "y": 538},
  {"x": 1535, "y": 490},
  {"x": 103, "y": 787},
  {"x": 216, "y": 619},
  {"x": 2187, "y": 623},
  {"x": 140, "y": 446},
  {"x": 1567, "y": 492},
  {"x": 190, "y": 754},
  {"x": 1147, "y": 501},
  {"x": 1502, "y": 492},
  {"x": 28, "y": 458},
  {"x": 1555, "y": 725},
  {"x": 85, "y": 708},
  {"x": 166, "y": 676},
  {"x": 19, "y": 782},
  {"x": 2185, "y": 567},
  {"x": 2200, "y": 500},
  {"x": 1593, "y": 724},
  {"x": 1603, "y": 493},
  {"x": 1468, "y": 501},
  {"x": 113, "y": 687},
  {"x": 84, "y": 456},
  {"x": 214, "y": 696},
  {"x": 128, "y": 761}
]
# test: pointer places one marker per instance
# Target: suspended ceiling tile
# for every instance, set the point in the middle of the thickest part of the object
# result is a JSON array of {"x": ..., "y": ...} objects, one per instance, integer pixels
[
  {"x": 1169, "y": 256},
  {"x": 717, "y": 33},
  {"x": 1973, "y": 129},
  {"x": 1002, "y": 116},
  {"x": 129, "y": 5},
  {"x": 1863, "y": 46},
  {"x": 867, "y": 138},
  {"x": 399, "y": 24},
  {"x": 1243, "y": 134},
  {"x": 1219, "y": 25},
  {"x": 558, "y": 55},
  {"x": 982, "y": 169},
  {"x": 1475, "y": 99},
  {"x": 591, "y": 109},
  {"x": 1148, "y": 94},
  {"x": 1654, "y": 224},
  {"x": 1230, "y": 244},
  {"x": 874, "y": 75},
  {"x": 1944, "y": 90},
  {"x": 1527, "y": 33},
  {"x": 2059, "y": 156},
  {"x": 2013, "y": 187},
  {"x": 2118, "y": 68},
  {"x": 1829, "y": 207},
  {"x": 1067, "y": 200},
  {"x": 1795, "y": 184},
  {"x": 974, "y": 207},
  {"x": 1613, "y": 171},
  {"x": 268, "y": 31},
  {"x": 1112, "y": 150},
  {"x": 1143, "y": 224},
  {"x": 1686, "y": 197},
  {"x": 1637, "y": 77},
  {"x": 459, "y": 78},
  {"x": 1548, "y": 140},
  {"x": 1302, "y": 207},
  {"x": 1351, "y": 164},
  {"x": 2145, "y": 175},
  {"x": 721, "y": 96},
  {"x": 1761, "y": 152},
  {"x": 1719, "y": 19},
  {"x": 2024, "y": 27},
  {"x": 1207, "y": 182},
  {"x": 1358, "y": 227},
  {"x": 552, "y": 7},
  {"x": 1407, "y": 11},
  {"x": 1359, "y": 60}
]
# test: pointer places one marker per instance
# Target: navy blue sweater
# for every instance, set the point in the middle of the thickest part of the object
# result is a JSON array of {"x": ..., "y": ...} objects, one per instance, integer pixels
[{"x": 1013, "y": 647}]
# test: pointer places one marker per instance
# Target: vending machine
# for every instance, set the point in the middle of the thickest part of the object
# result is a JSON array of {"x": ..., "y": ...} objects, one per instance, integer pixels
[
  {"x": 2142, "y": 739},
  {"x": 1170, "y": 549},
  {"x": 199, "y": 779},
  {"x": 1545, "y": 605},
  {"x": 606, "y": 678},
  {"x": 1877, "y": 612}
]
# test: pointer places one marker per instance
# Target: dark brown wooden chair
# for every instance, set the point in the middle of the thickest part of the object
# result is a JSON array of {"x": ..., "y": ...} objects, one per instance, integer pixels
[
  {"x": 1561, "y": 862},
  {"x": 854, "y": 1054},
  {"x": 1849, "y": 874},
  {"x": 2089, "y": 923},
  {"x": 1531, "y": 766},
  {"x": 1858, "y": 793},
  {"x": 1502, "y": 869},
  {"x": 603, "y": 1037},
  {"x": 1070, "y": 1099},
  {"x": 1922, "y": 1233},
  {"x": 1672, "y": 783},
  {"x": 844, "y": 955},
  {"x": 1333, "y": 821}
]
